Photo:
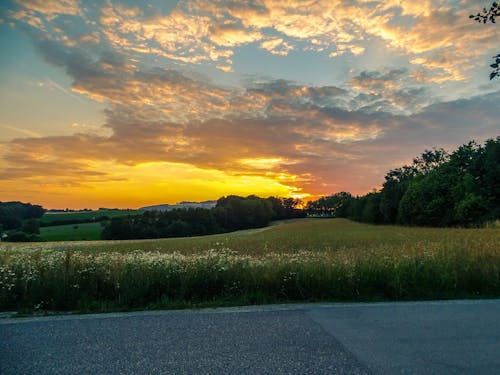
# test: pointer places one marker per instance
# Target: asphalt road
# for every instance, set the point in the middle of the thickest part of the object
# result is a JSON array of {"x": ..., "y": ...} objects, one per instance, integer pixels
[{"x": 457, "y": 337}]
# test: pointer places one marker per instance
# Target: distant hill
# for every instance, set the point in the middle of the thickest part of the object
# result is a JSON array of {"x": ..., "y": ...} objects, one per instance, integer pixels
[{"x": 182, "y": 205}]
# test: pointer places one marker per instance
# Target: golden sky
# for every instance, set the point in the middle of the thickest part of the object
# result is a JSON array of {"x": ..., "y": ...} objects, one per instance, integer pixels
[{"x": 127, "y": 104}]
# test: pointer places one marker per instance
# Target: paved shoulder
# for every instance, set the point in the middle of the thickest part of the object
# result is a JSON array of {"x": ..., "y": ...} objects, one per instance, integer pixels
[{"x": 214, "y": 342}]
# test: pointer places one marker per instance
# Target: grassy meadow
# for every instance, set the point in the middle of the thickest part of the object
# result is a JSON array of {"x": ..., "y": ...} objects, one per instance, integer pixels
[
  {"x": 50, "y": 217},
  {"x": 297, "y": 260},
  {"x": 71, "y": 232}
]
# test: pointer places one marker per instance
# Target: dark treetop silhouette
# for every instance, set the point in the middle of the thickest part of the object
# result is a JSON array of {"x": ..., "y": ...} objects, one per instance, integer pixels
[{"x": 489, "y": 15}]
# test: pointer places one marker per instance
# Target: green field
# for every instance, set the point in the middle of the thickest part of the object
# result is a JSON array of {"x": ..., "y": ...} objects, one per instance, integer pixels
[
  {"x": 299, "y": 260},
  {"x": 50, "y": 217},
  {"x": 71, "y": 232}
]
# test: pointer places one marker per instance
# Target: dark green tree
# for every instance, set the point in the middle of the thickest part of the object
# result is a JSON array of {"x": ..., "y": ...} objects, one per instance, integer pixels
[
  {"x": 12, "y": 214},
  {"x": 428, "y": 201},
  {"x": 285, "y": 208},
  {"x": 31, "y": 226},
  {"x": 397, "y": 181},
  {"x": 119, "y": 228},
  {"x": 178, "y": 228},
  {"x": 462, "y": 191},
  {"x": 335, "y": 205}
]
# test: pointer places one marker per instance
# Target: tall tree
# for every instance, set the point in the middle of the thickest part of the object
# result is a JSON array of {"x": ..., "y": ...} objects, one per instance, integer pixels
[{"x": 397, "y": 181}]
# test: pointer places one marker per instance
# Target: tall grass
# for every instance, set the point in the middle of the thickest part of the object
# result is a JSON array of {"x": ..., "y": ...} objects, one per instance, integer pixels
[{"x": 305, "y": 260}]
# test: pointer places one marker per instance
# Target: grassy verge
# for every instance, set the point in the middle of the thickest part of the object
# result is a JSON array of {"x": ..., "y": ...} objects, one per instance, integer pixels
[{"x": 305, "y": 260}]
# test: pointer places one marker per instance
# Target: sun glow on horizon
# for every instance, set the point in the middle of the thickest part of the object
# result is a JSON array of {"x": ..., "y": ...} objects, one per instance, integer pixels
[{"x": 147, "y": 184}]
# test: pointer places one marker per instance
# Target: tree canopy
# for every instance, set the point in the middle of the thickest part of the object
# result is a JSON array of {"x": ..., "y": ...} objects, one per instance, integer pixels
[{"x": 12, "y": 214}]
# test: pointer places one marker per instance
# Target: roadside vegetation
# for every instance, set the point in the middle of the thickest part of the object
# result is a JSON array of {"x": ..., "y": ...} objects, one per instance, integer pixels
[{"x": 300, "y": 260}]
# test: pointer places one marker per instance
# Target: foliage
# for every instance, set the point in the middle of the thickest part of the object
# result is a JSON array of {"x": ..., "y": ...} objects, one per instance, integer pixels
[
  {"x": 304, "y": 260},
  {"x": 367, "y": 209},
  {"x": 234, "y": 212},
  {"x": 19, "y": 236},
  {"x": 428, "y": 201},
  {"x": 12, "y": 214},
  {"x": 334, "y": 205},
  {"x": 397, "y": 181},
  {"x": 489, "y": 15},
  {"x": 286, "y": 208},
  {"x": 31, "y": 226}
]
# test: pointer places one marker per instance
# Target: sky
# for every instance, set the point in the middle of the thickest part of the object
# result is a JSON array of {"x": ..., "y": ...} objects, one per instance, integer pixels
[{"x": 127, "y": 103}]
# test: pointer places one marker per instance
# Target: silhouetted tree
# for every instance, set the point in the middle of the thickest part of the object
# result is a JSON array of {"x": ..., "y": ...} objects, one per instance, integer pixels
[
  {"x": 335, "y": 205},
  {"x": 285, "y": 208}
]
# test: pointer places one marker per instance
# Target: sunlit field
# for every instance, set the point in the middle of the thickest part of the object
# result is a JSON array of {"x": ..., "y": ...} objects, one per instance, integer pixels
[{"x": 301, "y": 260}]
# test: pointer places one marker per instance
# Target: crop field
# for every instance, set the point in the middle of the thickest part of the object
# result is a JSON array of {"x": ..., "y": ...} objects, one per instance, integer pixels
[
  {"x": 71, "y": 232},
  {"x": 297, "y": 260},
  {"x": 50, "y": 217}
]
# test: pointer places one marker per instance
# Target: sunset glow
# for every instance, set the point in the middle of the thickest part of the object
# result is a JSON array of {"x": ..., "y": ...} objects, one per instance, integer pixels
[{"x": 127, "y": 104}]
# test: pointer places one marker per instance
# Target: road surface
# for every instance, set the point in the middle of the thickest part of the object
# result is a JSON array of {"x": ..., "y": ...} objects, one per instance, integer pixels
[{"x": 455, "y": 337}]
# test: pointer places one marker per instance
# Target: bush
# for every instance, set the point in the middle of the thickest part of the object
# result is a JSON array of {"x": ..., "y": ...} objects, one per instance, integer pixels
[{"x": 22, "y": 237}]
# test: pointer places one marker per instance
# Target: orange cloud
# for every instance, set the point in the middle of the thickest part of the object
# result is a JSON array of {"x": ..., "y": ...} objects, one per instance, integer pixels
[
  {"x": 51, "y": 7},
  {"x": 230, "y": 35}
]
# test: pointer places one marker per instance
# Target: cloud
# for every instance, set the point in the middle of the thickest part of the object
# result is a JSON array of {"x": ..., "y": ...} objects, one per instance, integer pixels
[
  {"x": 299, "y": 138},
  {"x": 51, "y": 7},
  {"x": 276, "y": 46},
  {"x": 389, "y": 90},
  {"x": 18, "y": 130},
  {"x": 437, "y": 38},
  {"x": 231, "y": 35},
  {"x": 308, "y": 148},
  {"x": 52, "y": 85}
]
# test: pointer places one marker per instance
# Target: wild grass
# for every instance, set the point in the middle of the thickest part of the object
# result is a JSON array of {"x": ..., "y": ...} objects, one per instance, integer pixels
[{"x": 301, "y": 260}]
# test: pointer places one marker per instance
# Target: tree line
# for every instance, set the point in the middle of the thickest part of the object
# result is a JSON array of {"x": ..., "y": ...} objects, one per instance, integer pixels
[
  {"x": 21, "y": 220},
  {"x": 436, "y": 189},
  {"x": 230, "y": 213}
]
